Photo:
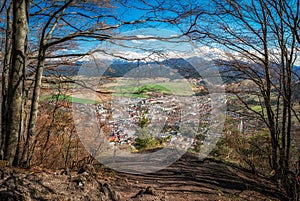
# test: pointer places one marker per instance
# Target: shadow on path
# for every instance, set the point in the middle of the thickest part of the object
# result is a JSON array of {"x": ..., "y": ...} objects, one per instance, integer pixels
[{"x": 189, "y": 174}]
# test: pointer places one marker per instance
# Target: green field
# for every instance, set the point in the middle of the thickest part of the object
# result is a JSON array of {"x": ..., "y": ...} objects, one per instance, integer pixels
[
  {"x": 69, "y": 98},
  {"x": 131, "y": 89},
  {"x": 256, "y": 108}
]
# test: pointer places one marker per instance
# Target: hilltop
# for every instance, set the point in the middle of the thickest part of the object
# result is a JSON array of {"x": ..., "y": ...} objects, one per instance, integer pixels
[{"x": 187, "y": 179}]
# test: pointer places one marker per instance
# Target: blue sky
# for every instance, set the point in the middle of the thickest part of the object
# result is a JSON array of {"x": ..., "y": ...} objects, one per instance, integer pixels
[{"x": 134, "y": 10}]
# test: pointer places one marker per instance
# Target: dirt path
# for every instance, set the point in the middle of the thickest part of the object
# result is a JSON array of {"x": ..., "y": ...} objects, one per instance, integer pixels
[
  {"x": 186, "y": 180},
  {"x": 191, "y": 179}
]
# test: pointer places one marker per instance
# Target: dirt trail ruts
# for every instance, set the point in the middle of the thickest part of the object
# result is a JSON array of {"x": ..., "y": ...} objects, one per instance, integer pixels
[
  {"x": 187, "y": 179},
  {"x": 191, "y": 179}
]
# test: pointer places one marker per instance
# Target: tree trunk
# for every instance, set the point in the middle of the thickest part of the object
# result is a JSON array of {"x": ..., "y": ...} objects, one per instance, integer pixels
[
  {"x": 5, "y": 74},
  {"x": 16, "y": 81},
  {"x": 34, "y": 109}
]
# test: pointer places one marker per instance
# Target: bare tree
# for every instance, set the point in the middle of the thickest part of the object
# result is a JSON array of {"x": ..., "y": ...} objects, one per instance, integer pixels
[
  {"x": 260, "y": 42},
  {"x": 56, "y": 29},
  {"x": 61, "y": 30},
  {"x": 15, "y": 87},
  {"x": 5, "y": 72}
]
